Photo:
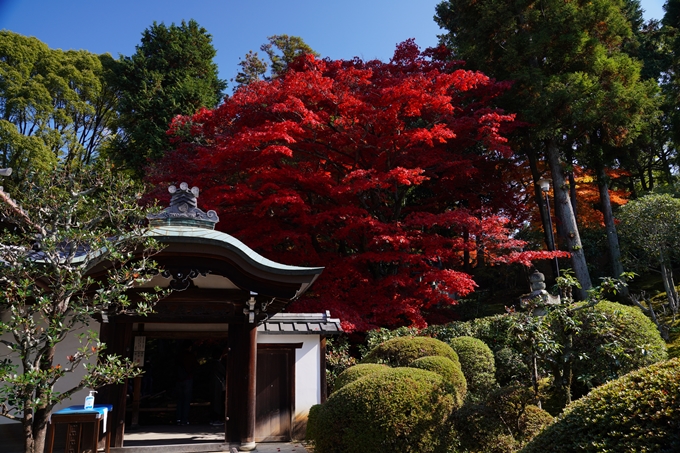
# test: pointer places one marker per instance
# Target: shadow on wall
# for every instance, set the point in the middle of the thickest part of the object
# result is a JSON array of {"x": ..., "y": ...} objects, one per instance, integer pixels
[{"x": 299, "y": 428}]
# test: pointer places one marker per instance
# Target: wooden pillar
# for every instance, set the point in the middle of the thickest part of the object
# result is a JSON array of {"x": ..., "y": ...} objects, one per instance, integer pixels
[
  {"x": 241, "y": 385},
  {"x": 322, "y": 370},
  {"x": 248, "y": 436}
]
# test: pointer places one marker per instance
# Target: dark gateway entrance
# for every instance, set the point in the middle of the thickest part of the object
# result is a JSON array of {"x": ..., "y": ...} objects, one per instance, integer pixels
[{"x": 223, "y": 291}]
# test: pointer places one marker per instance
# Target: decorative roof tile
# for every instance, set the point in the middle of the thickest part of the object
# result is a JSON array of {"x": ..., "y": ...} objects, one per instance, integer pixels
[{"x": 301, "y": 323}]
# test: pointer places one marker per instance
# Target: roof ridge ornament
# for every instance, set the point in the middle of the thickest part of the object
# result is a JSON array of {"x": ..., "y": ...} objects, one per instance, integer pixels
[{"x": 183, "y": 210}]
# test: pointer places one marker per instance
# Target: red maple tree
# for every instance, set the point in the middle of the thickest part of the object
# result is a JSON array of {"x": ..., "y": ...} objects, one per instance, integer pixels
[{"x": 391, "y": 175}]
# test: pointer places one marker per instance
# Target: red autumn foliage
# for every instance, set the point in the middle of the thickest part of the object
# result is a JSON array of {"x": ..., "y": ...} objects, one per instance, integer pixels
[{"x": 384, "y": 173}]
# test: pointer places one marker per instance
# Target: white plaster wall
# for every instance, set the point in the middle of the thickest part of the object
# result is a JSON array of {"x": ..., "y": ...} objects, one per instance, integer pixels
[
  {"x": 65, "y": 348},
  {"x": 307, "y": 363}
]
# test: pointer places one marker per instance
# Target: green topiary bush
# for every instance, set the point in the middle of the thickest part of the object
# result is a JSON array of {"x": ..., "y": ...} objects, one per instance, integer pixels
[
  {"x": 639, "y": 413},
  {"x": 478, "y": 366},
  {"x": 401, "y": 351},
  {"x": 312, "y": 421},
  {"x": 616, "y": 339},
  {"x": 398, "y": 410},
  {"x": 502, "y": 423},
  {"x": 454, "y": 380},
  {"x": 357, "y": 371}
]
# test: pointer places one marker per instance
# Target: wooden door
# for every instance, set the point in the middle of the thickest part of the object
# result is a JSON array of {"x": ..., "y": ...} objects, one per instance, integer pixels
[{"x": 275, "y": 390}]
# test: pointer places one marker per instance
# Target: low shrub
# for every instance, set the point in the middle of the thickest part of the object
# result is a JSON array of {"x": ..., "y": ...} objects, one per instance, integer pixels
[
  {"x": 312, "y": 421},
  {"x": 478, "y": 365},
  {"x": 401, "y": 351},
  {"x": 454, "y": 380},
  {"x": 400, "y": 409},
  {"x": 503, "y": 423},
  {"x": 357, "y": 371},
  {"x": 616, "y": 339},
  {"x": 639, "y": 412}
]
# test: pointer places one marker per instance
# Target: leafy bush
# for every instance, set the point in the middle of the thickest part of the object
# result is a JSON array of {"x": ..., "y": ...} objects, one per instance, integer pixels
[
  {"x": 504, "y": 422},
  {"x": 378, "y": 336},
  {"x": 401, "y": 351},
  {"x": 454, "y": 380},
  {"x": 357, "y": 371},
  {"x": 510, "y": 367},
  {"x": 614, "y": 339},
  {"x": 494, "y": 331},
  {"x": 338, "y": 359},
  {"x": 312, "y": 421},
  {"x": 401, "y": 409},
  {"x": 478, "y": 365},
  {"x": 639, "y": 412}
]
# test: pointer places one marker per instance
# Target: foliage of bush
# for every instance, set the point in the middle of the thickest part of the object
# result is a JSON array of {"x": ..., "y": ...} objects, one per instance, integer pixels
[
  {"x": 639, "y": 412},
  {"x": 399, "y": 410},
  {"x": 401, "y": 351},
  {"x": 357, "y": 371},
  {"x": 504, "y": 422},
  {"x": 378, "y": 336},
  {"x": 510, "y": 367},
  {"x": 454, "y": 379},
  {"x": 338, "y": 359},
  {"x": 494, "y": 331},
  {"x": 478, "y": 365},
  {"x": 312, "y": 420},
  {"x": 614, "y": 339}
]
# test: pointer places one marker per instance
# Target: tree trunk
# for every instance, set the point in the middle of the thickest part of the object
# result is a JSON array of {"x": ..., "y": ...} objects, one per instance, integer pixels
[
  {"x": 540, "y": 200},
  {"x": 466, "y": 251},
  {"x": 610, "y": 226},
  {"x": 565, "y": 217},
  {"x": 572, "y": 195},
  {"x": 567, "y": 368},
  {"x": 669, "y": 285}
]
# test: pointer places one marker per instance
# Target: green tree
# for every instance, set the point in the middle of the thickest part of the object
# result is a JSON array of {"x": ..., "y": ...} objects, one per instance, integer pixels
[
  {"x": 55, "y": 106},
  {"x": 74, "y": 225},
  {"x": 281, "y": 50},
  {"x": 562, "y": 58},
  {"x": 651, "y": 228},
  {"x": 171, "y": 73}
]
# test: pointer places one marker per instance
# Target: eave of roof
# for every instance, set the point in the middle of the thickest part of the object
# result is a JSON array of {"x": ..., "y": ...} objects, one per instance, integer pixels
[{"x": 192, "y": 234}]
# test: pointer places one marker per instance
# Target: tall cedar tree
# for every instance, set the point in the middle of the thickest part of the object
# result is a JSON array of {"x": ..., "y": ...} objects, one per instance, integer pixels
[
  {"x": 171, "y": 73},
  {"x": 567, "y": 61},
  {"x": 385, "y": 173}
]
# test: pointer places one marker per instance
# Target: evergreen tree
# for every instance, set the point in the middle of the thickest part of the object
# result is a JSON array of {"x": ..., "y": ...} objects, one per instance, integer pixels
[
  {"x": 171, "y": 73},
  {"x": 281, "y": 50},
  {"x": 567, "y": 63}
]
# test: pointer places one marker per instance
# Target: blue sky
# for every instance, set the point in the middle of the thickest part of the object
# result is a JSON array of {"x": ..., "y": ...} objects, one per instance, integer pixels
[{"x": 336, "y": 29}]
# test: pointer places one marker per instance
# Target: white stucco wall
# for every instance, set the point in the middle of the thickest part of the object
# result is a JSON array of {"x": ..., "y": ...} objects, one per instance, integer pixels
[
  {"x": 65, "y": 348},
  {"x": 307, "y": 363}
]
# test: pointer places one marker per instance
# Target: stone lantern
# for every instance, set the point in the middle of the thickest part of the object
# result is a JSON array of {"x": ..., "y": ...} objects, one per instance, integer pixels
[{"x": 539, "y": 298}]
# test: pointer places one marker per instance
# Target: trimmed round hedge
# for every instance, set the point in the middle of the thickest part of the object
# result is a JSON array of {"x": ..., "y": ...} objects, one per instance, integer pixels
[
  {"x": 401, "y": 351},
  {"x": 617, "y": 339},
  {"x": 355, "y": 372},
  {"x": 400, "y": 409},
  {"x": 478, "y": 365},
  {"x": 639, "y": 412},
  {"x": 454, "y": 380}
]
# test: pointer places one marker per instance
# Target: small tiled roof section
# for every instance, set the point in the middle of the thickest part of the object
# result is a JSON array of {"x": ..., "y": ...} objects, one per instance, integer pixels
[{"x": 301, "y": 323}]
